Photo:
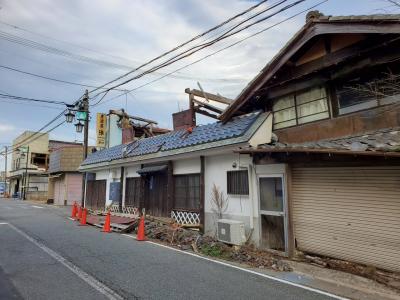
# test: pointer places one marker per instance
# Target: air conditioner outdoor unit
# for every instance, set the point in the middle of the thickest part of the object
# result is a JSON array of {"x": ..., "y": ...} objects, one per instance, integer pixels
[{"x": 231, "y": 232}]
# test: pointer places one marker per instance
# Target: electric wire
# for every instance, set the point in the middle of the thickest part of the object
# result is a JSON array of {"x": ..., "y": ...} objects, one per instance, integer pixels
[
  {"x": 32, "y": 138},
  {"x": 206, "y": 45},
  {"x": 182, "y": 76},
  {"x": 19, "y": 98},
  {"x": 52, "y": 50},
  {"x": 184, "y": 44},
  {"x": 45, "y": 77},
  {"x": 218, "y": 51}
]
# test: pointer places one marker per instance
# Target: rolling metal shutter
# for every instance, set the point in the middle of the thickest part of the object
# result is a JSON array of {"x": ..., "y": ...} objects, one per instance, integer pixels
[{"x": 350, "y": 213}]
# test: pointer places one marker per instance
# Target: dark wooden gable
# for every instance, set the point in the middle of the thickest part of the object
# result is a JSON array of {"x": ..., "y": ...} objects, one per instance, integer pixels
[{"x": 318, "y": 45}]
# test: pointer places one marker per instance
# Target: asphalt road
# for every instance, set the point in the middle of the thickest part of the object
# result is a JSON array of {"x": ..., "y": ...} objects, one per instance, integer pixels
[{"x": 44, "y": 255}]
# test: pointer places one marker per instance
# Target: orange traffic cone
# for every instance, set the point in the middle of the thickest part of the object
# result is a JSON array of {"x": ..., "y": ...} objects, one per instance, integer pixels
[
  {"x": 141, "y": 235},
  {"x": 83, "y": 219},
  {"x": 79, "y": 213},
  {"x": 107, "y": 223},
  {"x": 74, "y": 211}
]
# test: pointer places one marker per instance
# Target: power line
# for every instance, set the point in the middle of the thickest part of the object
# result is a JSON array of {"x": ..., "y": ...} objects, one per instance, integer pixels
[
  {"x": 218, "y": 51},
  {"x": 177, "y": 58},
  {"x": 56, "y": 51},
  {"x": 62, "y": 41},
  {"x": 45, "y": 77},
  {"x": 53, "y": 50},
  {"x": 19, "y": 98},
  {"x": 185, "y": 43},
  {"x": 31, "y": 138},
  {"x": 38, "y": 137},
  {"x": 21, "y": 103}
]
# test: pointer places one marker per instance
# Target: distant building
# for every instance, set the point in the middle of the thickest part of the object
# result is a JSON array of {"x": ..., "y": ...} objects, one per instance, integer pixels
[
  {"x": 29, "y": 165},
  {"x": 30, "y": 161},
  {"x": 65, "y": 182}
]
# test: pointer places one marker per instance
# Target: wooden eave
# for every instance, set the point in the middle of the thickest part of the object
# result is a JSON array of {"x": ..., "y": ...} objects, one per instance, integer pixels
[{"x": 309, "y": 31}]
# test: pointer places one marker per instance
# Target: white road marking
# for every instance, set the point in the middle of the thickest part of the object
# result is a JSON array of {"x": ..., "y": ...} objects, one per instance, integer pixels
[
  {"x": 3, "y": 223},
  {"x": 247, "y": 270},
  {"x": 93, "y": 282},
  {"x": 35, "y": 206}
]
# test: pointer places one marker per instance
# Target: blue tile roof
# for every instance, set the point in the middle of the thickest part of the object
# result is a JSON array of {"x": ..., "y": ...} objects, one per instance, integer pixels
[{"x": 203, "y": 134}]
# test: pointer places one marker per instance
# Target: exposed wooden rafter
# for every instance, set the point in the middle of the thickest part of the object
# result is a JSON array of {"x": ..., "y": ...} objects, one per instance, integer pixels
[{"x": 209, "y": 96}]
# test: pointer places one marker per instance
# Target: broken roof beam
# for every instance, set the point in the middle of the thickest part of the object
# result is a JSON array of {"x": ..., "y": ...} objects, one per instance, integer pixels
[
  {"x": 122, "y": 113},
  {"x": 208, "y": 96},
  {"x": 142, "y": 119},
  {"x": 205, "y": 113},
  {"x": 208, "y": 106}
]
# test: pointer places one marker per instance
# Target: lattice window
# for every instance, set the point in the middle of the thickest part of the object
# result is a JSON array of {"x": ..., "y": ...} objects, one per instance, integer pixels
[
  {"x": 238, "y": 182},
  {"x": 186, "y": 217},
  {"x": 187, "y": 191}
]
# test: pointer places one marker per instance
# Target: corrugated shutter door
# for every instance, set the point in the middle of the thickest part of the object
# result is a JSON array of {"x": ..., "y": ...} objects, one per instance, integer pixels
[{"x": 350, "y": 213}]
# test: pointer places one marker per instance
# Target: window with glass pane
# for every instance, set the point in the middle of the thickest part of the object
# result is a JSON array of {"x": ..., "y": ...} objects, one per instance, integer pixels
[
  {"x": 271, "y": 194},
  {"x": 284, "y": 112},
  {"x": 300, "y": 107},
  {"x": 312, "y": 105},
  {"x": 367, "y": 91}
]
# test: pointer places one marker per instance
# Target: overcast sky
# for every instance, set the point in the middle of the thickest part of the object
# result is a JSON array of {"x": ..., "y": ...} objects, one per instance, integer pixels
[{"x": 127, "y": 33}]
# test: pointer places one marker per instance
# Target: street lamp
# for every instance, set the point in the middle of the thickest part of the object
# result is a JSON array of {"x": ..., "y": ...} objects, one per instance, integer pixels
[
  {"x": 69, "y": 117},
  {"x": 79, "y": 126}
]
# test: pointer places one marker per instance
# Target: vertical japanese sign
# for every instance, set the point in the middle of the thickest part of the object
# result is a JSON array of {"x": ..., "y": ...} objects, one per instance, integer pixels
[{"x": 101, "y": 126}]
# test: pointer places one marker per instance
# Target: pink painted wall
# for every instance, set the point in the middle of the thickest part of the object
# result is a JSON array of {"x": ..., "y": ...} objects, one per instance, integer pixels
[{"x": 74, "y": 189}]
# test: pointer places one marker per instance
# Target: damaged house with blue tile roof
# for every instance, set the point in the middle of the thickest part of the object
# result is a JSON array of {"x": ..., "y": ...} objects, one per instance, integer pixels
[
  {"x": 173, "y": 174},
  {"x": 308, "y": 154}
]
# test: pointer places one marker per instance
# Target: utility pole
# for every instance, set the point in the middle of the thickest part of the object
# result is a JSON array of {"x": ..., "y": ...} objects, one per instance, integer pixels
[
  {"x": 80, "y": 110},
  {"x": 26, "y": 181},
  {"x": 85, "y": 102},
  {"x": 5, "y": 169}
]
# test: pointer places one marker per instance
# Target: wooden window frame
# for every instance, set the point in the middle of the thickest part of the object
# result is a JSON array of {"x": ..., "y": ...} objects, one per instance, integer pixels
[
  {"x": 296, "y": 106},
  {"x": 196, "y": 199}
]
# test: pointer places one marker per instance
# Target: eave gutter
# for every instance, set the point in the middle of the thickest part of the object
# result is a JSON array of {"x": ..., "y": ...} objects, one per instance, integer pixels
[{"x": 321, "y": 151}]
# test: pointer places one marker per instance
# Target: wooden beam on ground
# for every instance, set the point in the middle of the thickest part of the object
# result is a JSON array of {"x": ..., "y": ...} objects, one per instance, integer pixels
[{"x": 209, "y": 96}]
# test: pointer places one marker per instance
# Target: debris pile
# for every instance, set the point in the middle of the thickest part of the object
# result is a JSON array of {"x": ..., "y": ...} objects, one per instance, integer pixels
[
  {"x": 390, "y": 279},
  {"x": 186, "y": 239}
]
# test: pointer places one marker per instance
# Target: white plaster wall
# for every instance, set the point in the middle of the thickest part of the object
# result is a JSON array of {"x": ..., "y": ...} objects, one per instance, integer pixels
[
  {"x": 131, "y": 171},
  {"x": 215, "y": 172},
  {"x": 102, "y": 175},
  {"x": 186, "y": 166},
  {"x": 270, "y": 169}
]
